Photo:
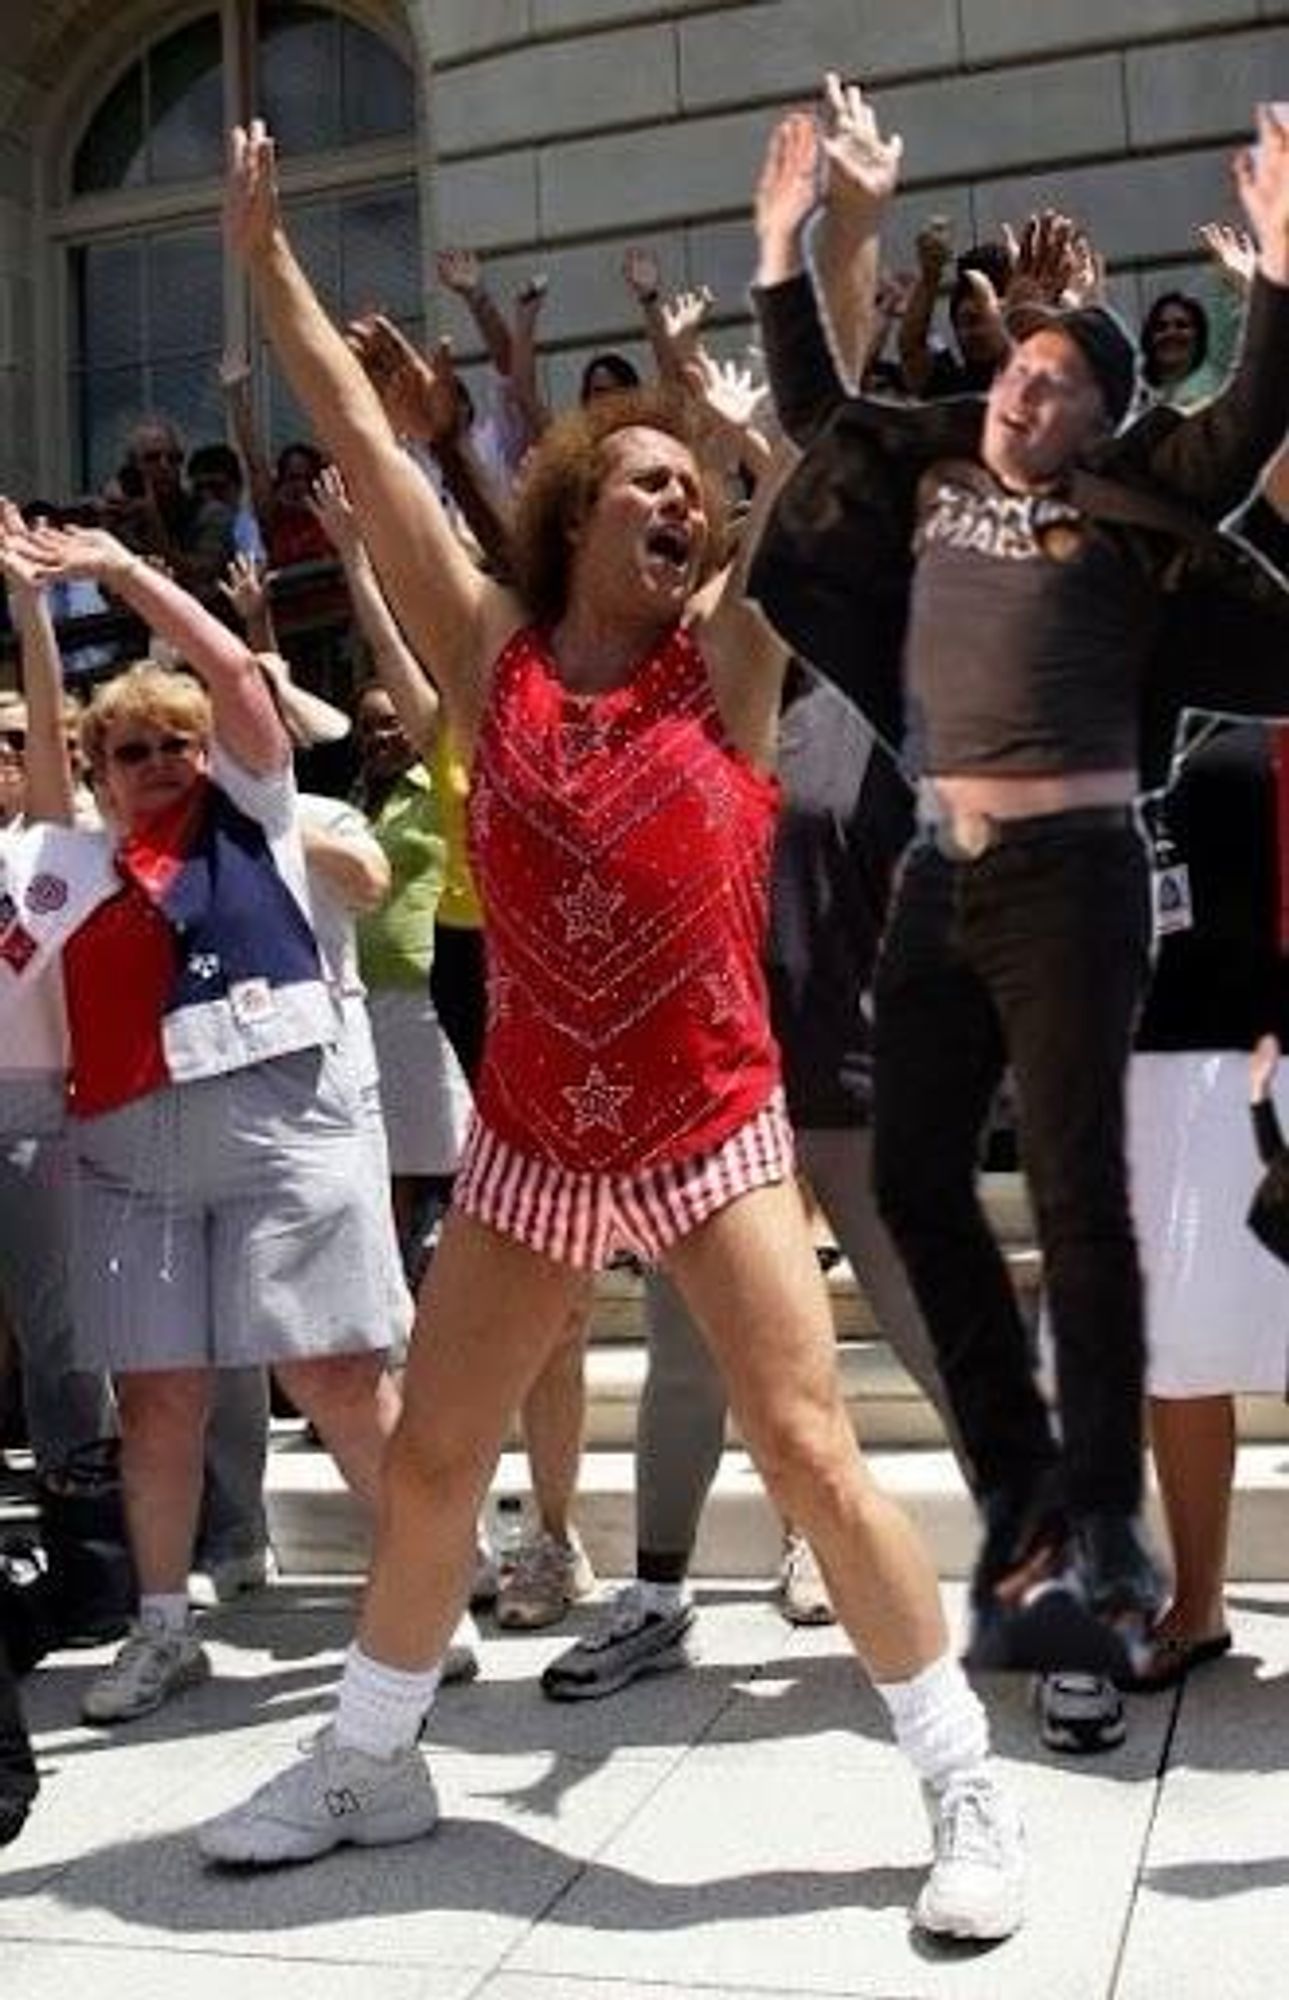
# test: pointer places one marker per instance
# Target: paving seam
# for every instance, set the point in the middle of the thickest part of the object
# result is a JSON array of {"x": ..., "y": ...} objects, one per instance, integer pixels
[{"x": 1161, "y": 1779}]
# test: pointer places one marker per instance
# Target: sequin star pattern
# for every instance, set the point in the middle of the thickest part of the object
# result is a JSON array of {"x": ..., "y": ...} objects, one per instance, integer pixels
[
  {"x": 589, "y": 910},
  {"x": 615, "y": 885},
  {"x": 596, "y": 1101}
]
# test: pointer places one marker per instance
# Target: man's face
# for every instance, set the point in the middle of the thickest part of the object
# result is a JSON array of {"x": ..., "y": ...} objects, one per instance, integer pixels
[
  {"x": 1045, "y": 407},
  {"x": 157, "y": 453}
]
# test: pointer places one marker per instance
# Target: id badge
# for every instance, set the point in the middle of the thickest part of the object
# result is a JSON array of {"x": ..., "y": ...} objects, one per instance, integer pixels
[
  {"x": 251, "y": 1001},
  {"x": 1171, "y": 899}
]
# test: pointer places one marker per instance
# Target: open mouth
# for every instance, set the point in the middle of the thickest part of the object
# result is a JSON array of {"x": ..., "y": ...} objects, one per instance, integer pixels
[{"x": 670, "y": 545}]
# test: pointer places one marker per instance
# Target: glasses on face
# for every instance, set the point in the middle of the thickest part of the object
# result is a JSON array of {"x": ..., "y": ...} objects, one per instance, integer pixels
[
  {"x": 14, "y": 739},
  {"x": 140, "y": 750},
  {"x": 161, "y": 457}
]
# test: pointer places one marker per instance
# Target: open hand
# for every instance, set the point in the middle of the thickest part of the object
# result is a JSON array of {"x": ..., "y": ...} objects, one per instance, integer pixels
[
  {"x": 252, "y": 216},
  {"x": 863, "y": 167},
  {"x": 418, "y": 391},
  {"x": 331, "y": 505}
]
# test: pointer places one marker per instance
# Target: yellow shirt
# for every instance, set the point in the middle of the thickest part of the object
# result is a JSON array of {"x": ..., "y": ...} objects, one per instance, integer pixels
[{"x": 459, "y": 905}]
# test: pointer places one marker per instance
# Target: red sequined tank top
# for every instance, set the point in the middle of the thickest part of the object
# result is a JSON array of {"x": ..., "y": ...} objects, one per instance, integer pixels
[{"x": 622, "y": 849}]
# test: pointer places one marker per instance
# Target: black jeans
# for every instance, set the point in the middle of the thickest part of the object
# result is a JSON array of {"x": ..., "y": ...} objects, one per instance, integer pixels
[
  {"x": 1035, "y": 955},
  {"x": 18, "y": 1781}
]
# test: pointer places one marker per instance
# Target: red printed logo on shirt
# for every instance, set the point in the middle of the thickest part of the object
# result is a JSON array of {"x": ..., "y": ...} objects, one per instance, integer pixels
[{"x": 17, "y": 948}]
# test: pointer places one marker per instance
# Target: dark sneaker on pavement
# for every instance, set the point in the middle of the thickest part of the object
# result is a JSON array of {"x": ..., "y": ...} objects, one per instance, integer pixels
[
  {"x": 976, "y": 1887},
  {"x": 630, "y": 1640},
  {"x": 333, "y": 1796},
  {"x": 1080, "y": 1714}
]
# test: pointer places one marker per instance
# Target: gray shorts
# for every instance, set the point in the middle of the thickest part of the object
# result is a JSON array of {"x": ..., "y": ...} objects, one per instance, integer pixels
[{"x": 230, "y": 1222}]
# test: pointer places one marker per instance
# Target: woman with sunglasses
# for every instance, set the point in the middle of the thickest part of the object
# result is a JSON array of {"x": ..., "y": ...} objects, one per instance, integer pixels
[{"x": 225, "y": 1217}]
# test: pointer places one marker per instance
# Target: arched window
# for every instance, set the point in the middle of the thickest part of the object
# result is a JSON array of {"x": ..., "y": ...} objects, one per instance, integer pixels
[{"x": 150, "y": 300}]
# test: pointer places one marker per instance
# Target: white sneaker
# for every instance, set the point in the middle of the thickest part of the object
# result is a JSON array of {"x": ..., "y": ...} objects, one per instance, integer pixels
[
  {"x": 976, "y": 1888},
  {"x": 545, "y": 1580},
  {"x": 333, "y": 1797},
  {"x": 461, "y": 1661},
  {"x": 803, "y": 1594},
  {"x": 232, "y": 1577},
  {"x": 153, "y": 1664}
]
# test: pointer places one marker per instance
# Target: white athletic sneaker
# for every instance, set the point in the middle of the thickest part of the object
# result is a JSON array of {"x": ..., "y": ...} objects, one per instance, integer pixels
[
  {"x": 976, "y": 1888},
  {"x": 802, "y": 1592},
  {"x": 152, "y": 1664},
  {"x": 333, "y": 1797},
  {"x": 546, "y": 1579}
]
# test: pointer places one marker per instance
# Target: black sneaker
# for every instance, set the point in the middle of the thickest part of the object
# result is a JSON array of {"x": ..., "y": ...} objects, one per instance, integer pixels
[
  {"x": 1079, "y": 1714},
  {"x": 629, "y": 1641}
]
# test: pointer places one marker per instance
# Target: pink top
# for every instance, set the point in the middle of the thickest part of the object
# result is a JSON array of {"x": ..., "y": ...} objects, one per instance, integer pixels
[{"x": 622, "y": 851}]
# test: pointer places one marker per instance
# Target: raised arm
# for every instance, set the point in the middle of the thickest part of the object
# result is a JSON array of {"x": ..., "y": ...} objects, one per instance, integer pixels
[
  {"x": 804, "y": 381},
  {"x": 48, "y": 791},
  {"x": 1212, "y": 458},
  {"x": 462, "y": 273},
  {"x": 436, "y": 592},
  {"x": 397, "y": 669},
  {"x": 246, "y": 719},
  {"x": 862, "y": 171},
  {"x": 933, "y": 247}
]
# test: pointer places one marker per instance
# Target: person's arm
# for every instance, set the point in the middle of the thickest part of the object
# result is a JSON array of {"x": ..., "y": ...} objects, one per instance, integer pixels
[
  {"x": 397, "y": 669},
  {"x": 436, "y": 592},
  {"x": 745, "y": 655},
  {"x": 933, "y": 246},
  {"x": 245, "y": 584},
  {"x": 802, "y": 373},
  {"x": 730, "y": 398},
  {"x": 862, "y": 172},
  {"x": 235, "y": 384},
  {"x": 352, "y": 865},
  {"x": 47, "y": 777},
  {"x": 1212, "y": 458},
  {"x": 643, "y": 277},
  {"x": 246, "y": 720},
  {"x": 522, "y": 384},
  {"x": 462, "y": 273},
  {"x": 419, "y": 395}
]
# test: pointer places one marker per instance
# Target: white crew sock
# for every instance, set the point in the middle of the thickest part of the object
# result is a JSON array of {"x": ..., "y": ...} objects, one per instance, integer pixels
[
  {"x": 381, "y": 1709},
  {"x": 939, "y": 1722},
  {"x": 165, "y": 1611}
]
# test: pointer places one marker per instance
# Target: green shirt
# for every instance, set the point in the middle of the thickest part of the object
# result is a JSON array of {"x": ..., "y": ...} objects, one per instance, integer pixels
[{"x": 396, "y": 943}]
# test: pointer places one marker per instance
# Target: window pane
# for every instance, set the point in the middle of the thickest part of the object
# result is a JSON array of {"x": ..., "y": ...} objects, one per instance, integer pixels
[
  {"x": 315, "y": 237},
  {"x": 111, "y": 153},
  {"x": 107, "y": 293},
  {"x": 299, "y": 77},
  {"x": 109, "y": 400},
  {"x": 378, "y": 100},
  {"x": 380, "y": 254},
  {"x": 186, "y": 104},
  {"x": 185, "y": 293},
  {"x": 187, "y": 392}
]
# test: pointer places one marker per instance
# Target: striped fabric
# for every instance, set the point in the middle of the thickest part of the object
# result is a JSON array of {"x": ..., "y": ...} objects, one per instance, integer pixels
[{"x": 583, "y": 1218}]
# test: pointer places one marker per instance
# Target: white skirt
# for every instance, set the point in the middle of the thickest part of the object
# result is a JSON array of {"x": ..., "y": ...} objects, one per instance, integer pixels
[
  {"x": 1217, "y": 1303},
  {"x": 423, "y": 1091}
]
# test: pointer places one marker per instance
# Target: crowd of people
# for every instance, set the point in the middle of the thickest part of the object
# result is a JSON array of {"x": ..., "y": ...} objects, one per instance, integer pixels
[{"x": 753, "y": 775}]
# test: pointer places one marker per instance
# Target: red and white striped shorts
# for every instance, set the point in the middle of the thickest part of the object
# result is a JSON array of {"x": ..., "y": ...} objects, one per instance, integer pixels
[{"x": 582, "y": 1219}]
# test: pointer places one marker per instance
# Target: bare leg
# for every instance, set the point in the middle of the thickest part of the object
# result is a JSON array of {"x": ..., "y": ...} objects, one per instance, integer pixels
[
  {"x": 491, "y": 1314},
  {"x": 163, "y": 1420},
  {"x": 751, "y": 1279},
  {"x": 1193, "y": 1439},
  {"x": 352, "y": 1401},
  {"x": 554, "y": 1419}
]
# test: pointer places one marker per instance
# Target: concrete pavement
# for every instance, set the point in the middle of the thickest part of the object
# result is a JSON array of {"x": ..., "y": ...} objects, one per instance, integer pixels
[{"x": 743, "y": 1829}]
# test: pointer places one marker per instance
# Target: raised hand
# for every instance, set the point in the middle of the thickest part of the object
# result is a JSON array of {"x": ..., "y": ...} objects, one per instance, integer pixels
[
  {"x": 933, "y": 247},
  {"x": 245, "y": 583},
  {"x": 727, "y": 391},
  {"x": 234, "y": 368},
  {"x": 642, "y": 273},
  {"x": 17, "y": 564},
  {"x": 894, "y": 289},
  {"x": 1234, "y": 253},
  {"x": 787, "y": 192},
  {"x": 330, "y": 503},
  {"x": 1045, "y": 258},
  {"x": 1262, "y": 182},
  {"x": 682, "y": 317},
  {"x": 252, "y": 216},
  {"x": 459, "y": 270},
  {"x": 51, "y": 553},
  {"x": 863, "y": 167},
  {"x": 418, "y": 391}
]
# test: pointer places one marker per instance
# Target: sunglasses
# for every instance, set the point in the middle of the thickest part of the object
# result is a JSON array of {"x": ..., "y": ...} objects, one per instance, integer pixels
[
  {"x": 139, "y": 751},
  {"x": 14, "y": 739}
]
